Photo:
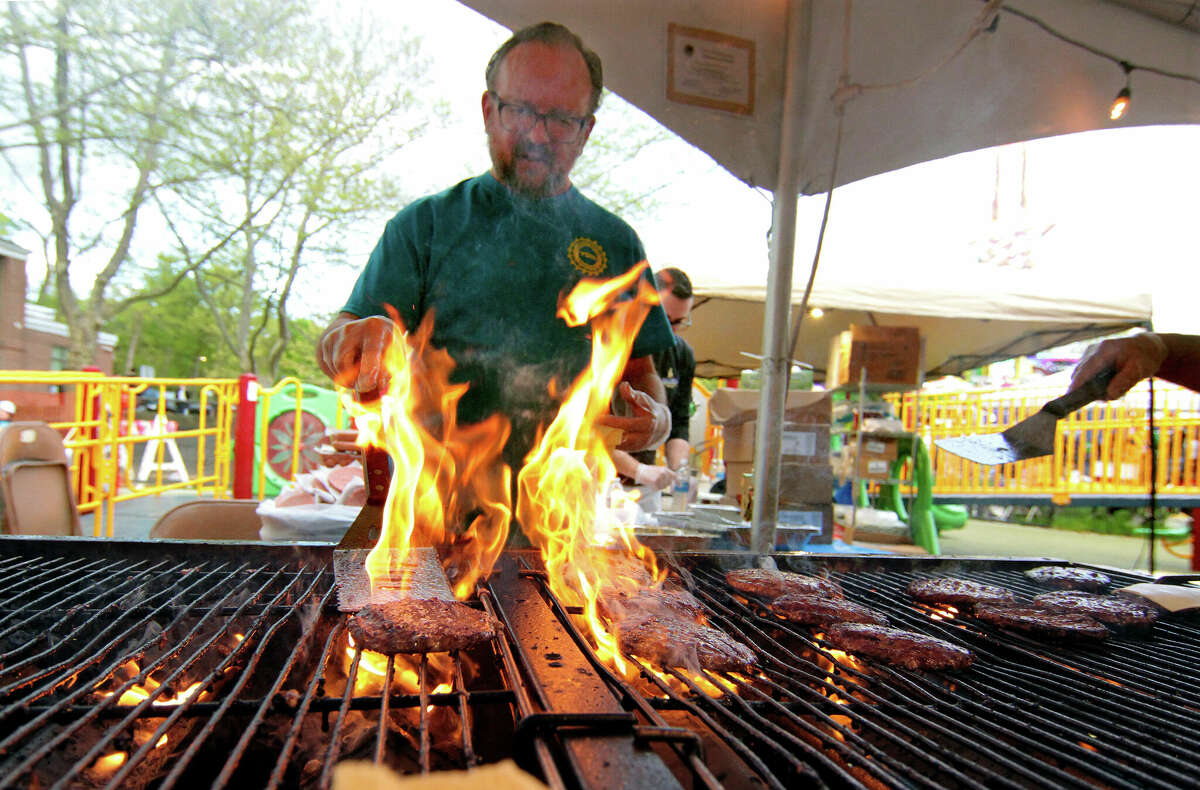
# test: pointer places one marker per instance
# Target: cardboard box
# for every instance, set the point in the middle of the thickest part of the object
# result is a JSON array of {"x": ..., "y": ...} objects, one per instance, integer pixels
[
  {"x": 800, "y": 443},
  {"x": 798, "y": 483},
  {"x": 805, "y": 433},
  {"x": 874, "y": 462},
  {"x": 734, "y": 407},
  {"x": 891, "y": 355}
]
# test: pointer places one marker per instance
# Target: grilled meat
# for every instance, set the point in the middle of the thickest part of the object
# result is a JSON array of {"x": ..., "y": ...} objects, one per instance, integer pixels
[
  {"x": 766, "y": 583},
  {"x": 619, "y": 604},
  {"x": 894, "y": 646},
  {"x": 816, "y": 610},
  {"x": 675, "y": 642},
  {"x": 1062, "y": 578},
  {"x": 420, "y": 626},
  {"x": 946, "y": 589},
  {"x": 1112, "y": 610},
  {"x": 1042, "y": 621}
]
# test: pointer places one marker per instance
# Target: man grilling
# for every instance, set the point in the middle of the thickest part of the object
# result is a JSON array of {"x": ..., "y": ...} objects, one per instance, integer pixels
[{"x": 490, "y": 257}]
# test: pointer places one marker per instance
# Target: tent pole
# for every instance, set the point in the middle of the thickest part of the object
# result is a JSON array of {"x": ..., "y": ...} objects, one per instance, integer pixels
[{"x": 776, "y": 361}]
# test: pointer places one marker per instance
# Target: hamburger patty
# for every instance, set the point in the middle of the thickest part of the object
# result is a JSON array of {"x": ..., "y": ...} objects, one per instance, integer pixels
[
  {"x": 894, "y": 646},
  {"x": 671, "y": 641},
  {"x": 766, "y": 583},
  {"x": 946, "y": 589},
  {"x": 1042, "y": 621},
  {"x": 816, "y": 610},
  {"x": 1061, "y": 578},
  {"x": 1111, "y": 610},
  {"x": 420, "y": 626},
  {"x": 619, "y": 604}
]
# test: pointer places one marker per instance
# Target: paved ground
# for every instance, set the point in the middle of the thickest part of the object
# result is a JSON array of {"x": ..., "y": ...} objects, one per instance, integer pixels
[{"x": 977, "y": 539}]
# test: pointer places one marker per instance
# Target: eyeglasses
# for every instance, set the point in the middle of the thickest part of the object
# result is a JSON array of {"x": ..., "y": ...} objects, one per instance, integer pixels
[
  {"x": 682, "y": 323},
  {"x": 560, "y": 127}
]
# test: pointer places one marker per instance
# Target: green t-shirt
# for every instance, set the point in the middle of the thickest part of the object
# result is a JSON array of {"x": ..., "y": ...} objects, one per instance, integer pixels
[{"x": 491, "y": 266}]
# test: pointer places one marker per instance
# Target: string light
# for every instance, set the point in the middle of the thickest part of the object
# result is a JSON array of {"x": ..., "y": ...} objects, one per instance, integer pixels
[{"x": 1121, "y": 103}]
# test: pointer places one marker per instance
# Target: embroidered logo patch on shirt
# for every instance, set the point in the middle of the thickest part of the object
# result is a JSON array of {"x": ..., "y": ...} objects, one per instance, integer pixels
[{"x": 587, "y": 255}]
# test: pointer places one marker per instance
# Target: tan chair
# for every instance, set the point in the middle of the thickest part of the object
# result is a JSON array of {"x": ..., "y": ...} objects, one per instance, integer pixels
[
  {"x": 35, "y": 481},
  {"x": 210, "y": 519}
]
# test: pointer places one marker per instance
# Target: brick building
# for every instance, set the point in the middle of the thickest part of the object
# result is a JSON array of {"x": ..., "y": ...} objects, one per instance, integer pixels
[{"x": 31, "y": 339}]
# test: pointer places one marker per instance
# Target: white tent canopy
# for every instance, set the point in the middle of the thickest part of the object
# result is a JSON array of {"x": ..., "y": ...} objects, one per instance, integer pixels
[{"x": 764, "y": 86}]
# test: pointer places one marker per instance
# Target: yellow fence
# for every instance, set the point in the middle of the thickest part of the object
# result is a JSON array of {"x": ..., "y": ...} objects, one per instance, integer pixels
[
  {"x": 129, "y": 437},
  {"x": 1100, "y": 450}
]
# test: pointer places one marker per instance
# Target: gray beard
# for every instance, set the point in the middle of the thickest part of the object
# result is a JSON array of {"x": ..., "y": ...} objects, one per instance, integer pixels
[{"x": 548, "y": 188}]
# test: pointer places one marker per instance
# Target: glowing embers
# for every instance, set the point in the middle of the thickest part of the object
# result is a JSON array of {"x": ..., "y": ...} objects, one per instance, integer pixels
[
  {"x": 133, "y": 689},
  {"x": 448, "y": 488},
  {"x": 939, "y": 611}
]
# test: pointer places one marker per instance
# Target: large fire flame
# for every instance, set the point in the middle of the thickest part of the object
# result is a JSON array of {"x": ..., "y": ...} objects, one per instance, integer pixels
[
  {"x": 568, "y": 497},
  {"x": 445, "y": 476}
]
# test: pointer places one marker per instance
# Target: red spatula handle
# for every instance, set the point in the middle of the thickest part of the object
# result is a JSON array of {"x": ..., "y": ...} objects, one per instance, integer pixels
[{"x": 376, "y": 474}]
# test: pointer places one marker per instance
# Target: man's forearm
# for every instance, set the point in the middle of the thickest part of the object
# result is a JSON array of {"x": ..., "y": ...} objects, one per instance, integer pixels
[{"x": 677, "y": 452}]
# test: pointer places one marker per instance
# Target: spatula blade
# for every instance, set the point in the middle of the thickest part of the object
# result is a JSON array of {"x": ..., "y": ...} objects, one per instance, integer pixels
[{"x": 985, "y": 448}]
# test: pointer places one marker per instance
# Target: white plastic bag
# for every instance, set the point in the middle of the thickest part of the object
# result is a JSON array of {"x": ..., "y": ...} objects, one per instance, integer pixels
[{"x": 326, "y": 523}]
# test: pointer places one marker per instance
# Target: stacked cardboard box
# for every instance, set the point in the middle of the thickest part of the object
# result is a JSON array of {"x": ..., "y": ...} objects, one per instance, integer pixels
[
  {"x": 891, "y": 355},
  {"x": 875, "y": 462},
  {"x": 806, "y": 477}
]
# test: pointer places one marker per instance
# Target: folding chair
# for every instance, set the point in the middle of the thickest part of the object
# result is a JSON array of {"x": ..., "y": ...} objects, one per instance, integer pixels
[
  {"x": 35, "y": 481},
  {"x": 210, "y": 519}
]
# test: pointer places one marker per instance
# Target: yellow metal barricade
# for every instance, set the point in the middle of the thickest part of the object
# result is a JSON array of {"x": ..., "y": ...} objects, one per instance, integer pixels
[
  {"x": 103, "y": 434},
  {"x": 1101, "y": 449}
]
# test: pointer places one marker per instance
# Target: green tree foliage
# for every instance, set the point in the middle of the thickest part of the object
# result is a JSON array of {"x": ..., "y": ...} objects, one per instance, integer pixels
[{"x": 244, "y": 134}]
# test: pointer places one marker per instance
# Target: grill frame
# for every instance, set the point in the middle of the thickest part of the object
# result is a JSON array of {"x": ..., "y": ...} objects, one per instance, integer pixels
[{"x": 560, "y": 736}]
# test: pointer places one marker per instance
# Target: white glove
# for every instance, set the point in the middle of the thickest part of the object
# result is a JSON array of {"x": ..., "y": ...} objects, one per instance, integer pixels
[
  {"x": 352, "y": 354},
  {"x": 656, "y": 477},
  {"x": 649, "y": 425}
]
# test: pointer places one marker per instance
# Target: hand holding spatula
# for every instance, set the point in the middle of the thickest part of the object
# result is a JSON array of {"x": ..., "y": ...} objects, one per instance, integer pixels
[{"x": 1033, "y": 436}]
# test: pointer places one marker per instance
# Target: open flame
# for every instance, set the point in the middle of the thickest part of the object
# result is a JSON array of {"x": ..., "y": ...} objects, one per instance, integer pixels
[
  {"x": 569, "y": 499},
  {"x": 406, "y": 673},
  {"x": 444, "y": 474}
]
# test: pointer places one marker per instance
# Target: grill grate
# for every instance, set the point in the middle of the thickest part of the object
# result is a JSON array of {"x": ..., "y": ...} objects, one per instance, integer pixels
[
  {"x": 1027, "y": 714},
  {"x": 194, "y": 669},
  {"x": 201, "y": 665}
]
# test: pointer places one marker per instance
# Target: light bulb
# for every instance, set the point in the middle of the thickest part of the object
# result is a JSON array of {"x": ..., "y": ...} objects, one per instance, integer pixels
[
  {"x": 816, "y": 312},
  {"x": 1120, "y": 104}
]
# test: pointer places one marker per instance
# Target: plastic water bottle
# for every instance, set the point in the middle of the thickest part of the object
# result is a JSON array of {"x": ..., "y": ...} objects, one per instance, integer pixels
[{"x": 681, "y": 489}]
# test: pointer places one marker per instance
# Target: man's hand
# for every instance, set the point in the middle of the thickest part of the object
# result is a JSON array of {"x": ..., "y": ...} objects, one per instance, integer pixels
[
  {"x": 1135, "y": 358},
  {"x": 647, "y": 427},
  {"x": 656, "y": 477},
  {"x": 351, "y": 353}
]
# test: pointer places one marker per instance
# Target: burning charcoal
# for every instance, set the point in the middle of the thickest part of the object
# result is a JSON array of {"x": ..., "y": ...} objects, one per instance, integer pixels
[
  {"x": 1061, "y": 578},
  {"x": 619, "y": 604},
  {"x": 1112, "y": 610},
  {"x": 816, "y": 610},
  {"x": 421, "y": 626},
  {"x": 906, "y": 649},
  {"x": 1043, "y": 621},
  {"x": 675, "y": 642},
  {"x": 767, "y": 583},
  {"x": 949, "y": 590}
]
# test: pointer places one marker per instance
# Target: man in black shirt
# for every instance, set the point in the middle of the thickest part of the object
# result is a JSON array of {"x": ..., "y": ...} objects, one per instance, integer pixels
[{"x": 676, "y": 367}]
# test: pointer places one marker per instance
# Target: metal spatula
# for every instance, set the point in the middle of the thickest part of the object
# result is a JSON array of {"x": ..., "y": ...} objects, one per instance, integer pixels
[
  {"x": 420, "y": 575},
  {"x": 1033, "y": 436}
]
